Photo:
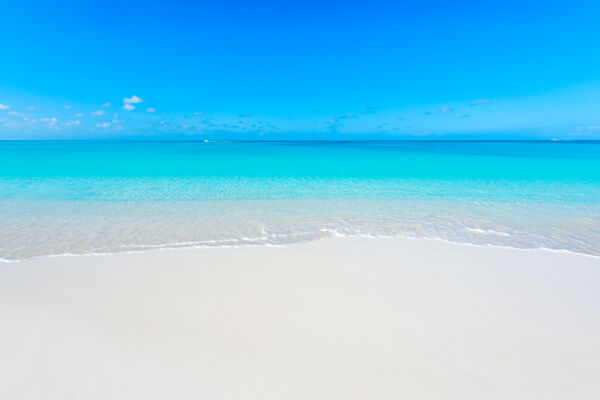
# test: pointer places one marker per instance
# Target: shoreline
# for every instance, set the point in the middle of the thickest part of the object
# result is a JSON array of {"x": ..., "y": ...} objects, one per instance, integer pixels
[
  {"x": 175, "y": 247},
  {"x": 334, "y": 318}
]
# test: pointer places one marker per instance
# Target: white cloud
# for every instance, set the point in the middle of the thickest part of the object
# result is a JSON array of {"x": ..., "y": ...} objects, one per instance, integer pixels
[
  {"x": 78, "y": 115},
  {"x": 98, "y": 113},
  {"x": 132, "y": 100},
  {"x": 588, "y": 130},
  {"x": 128, "y": 107},
  {"x": 66, "y": 107},
  {"x": 150, "y": 109},
  {"x": 4, "y": 107},
  {"x": 446, "y": 109},
  {"x": 480, "y": 101},
  {"x": 13, "y": 113},
  {"x": 31, "y": 108},
  {"x": 51, "y": 121},
  {"x": 106, "y": 105},
  {"x": 72, "y": 123},
  {"x": 103, "y": 125}
]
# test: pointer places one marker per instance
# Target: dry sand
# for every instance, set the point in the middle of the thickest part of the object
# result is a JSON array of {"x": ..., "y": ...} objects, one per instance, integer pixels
[{"x": 334, "y": 319}]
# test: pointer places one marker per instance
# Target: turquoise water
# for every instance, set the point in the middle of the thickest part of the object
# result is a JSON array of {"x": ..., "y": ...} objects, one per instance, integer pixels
[{"x": 97, "y": 197}]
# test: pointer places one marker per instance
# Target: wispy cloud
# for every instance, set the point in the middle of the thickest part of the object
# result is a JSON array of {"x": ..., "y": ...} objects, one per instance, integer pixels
[
  {"x": 4, "y": 107},
  {"x": 106, "y": 105},
  {"x": 78, "y": 115},
  {"x": 480, "y": 101},
  {"x": 370, "y": 110},
  {"x": 66, "y": 107},
  {"x": 103, "y": 125},
  {"x": 132, "y": 100},
  {"x": 333, "y": 124},
  {"x": 150, "y": 109},
  {"x": 72, "y": 123},
  {"x": 346, "y": 116},
  {"x": 587, "y": 130},
  {"x": 51, "y": 121},
  {"x": 128, "y": 107},
  {"x": 98, "y": 113},
  {"x": 446, "y": 109}
]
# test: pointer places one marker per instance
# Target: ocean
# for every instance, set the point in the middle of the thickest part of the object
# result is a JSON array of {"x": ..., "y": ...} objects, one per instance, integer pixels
[{"x": 92, "y": 197}]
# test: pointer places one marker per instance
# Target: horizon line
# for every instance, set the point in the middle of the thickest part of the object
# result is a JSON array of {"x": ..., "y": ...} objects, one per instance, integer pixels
[{"x": 299, "y": 141}]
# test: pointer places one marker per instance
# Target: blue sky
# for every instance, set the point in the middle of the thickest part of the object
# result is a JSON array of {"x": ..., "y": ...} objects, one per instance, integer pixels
[{"x": 299, "y": 70}]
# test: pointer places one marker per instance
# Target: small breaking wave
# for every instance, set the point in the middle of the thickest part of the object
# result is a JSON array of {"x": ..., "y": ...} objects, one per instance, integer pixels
[
  {"x": 271, "y": 237},
  {"x": 488, "y": 232}
]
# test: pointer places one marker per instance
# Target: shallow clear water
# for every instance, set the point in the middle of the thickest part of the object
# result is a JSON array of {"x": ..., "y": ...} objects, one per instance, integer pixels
[{"x": 85, "y": 197}]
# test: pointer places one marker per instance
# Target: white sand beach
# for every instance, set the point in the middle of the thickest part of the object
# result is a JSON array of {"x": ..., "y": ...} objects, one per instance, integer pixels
[{"x": 342, "y": 318}]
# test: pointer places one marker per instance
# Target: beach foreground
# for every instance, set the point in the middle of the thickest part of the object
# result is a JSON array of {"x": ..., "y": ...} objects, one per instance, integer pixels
[{"x": 340, "y": 318}]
